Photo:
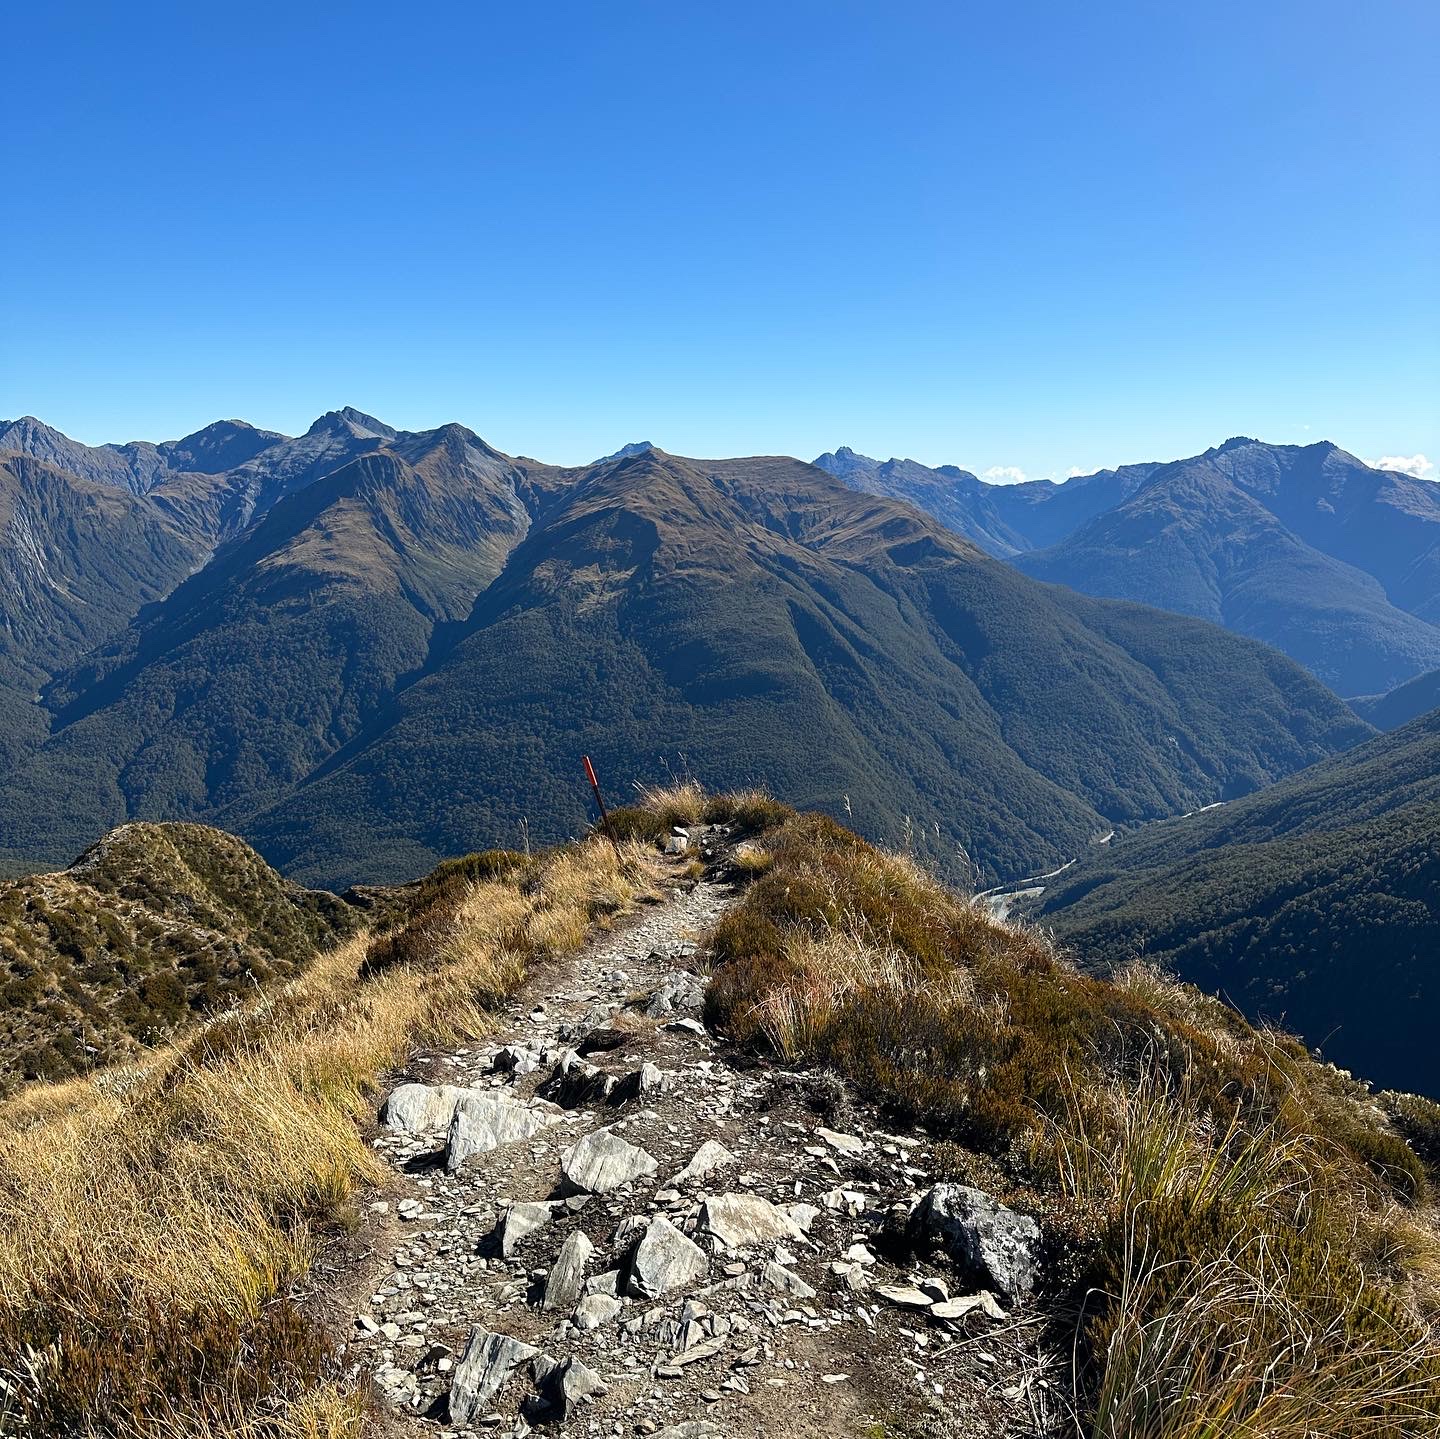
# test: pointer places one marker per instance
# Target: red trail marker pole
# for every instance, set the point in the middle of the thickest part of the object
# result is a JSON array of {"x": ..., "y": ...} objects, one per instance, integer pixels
[{"x": 604, "y": 813}]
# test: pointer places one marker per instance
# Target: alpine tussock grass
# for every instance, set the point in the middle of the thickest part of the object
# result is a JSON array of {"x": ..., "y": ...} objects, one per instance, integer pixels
[
  {"x": 1248, "y": 1246},
  {"x": 154, "y": 1218}
]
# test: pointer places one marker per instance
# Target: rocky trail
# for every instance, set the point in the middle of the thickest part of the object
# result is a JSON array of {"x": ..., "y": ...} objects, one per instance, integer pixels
[{"x": 606, "y": 1220}]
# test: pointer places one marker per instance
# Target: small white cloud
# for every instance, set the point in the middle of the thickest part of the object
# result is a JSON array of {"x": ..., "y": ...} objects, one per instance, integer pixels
[
  {"x": 1074, "y": 472},
  {"x": 1004, "y": 475},
  {"x": 1417, "y": 465}
]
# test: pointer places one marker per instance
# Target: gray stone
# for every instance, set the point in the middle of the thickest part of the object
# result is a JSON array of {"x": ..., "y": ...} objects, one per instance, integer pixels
[
  {"x": 602, "y": 1162},
  {"x": 691, "y": 1429},
  {"x": 521, "y": 1221},
  {"x": 778, "y": 1277},
  {"x": 988, "y": 1241},
  {"x": 957, "y": 1308},
  {"x": 681, "y": 991},
  {"x": 416, "y": 1108},
  {"x": 575, "y": 1081},
  {"x": 488, "y": 1361},
  {"x": 904, "y": 1296},
  {"x": 742, "y": 1221},
  {"x": 843, "y": 1143},
  {"x": 665, "y": 1259},
  {"x": 567, "y": 1274},
  {"x": 566, "y": 1384},
  {"x": 482, "y": 1122},
  {"x": 596, "y": 1309},
  {"x": 711, "y": 1156}
]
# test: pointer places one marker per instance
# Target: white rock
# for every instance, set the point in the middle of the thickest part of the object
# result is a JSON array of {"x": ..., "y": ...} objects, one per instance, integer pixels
[
  {"x": 488, "y": 1361},
  {"x": 602, "y": 1162},
  {"x": 739, "y": 1221}
]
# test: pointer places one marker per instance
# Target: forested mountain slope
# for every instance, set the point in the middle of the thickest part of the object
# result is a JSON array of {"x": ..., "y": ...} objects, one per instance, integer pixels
[
  {"x": 1314, "y": 903},
  {"x": 759, "y": 622}
]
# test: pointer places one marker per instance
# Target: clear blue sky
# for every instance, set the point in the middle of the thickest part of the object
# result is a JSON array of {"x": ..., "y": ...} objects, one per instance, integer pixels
[{"x": 1040, "y": 235}]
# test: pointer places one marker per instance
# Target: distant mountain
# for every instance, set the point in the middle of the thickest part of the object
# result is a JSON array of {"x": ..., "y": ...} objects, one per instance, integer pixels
[
  {"x": 254, "y": 670},
  {"x": 139, "y": 465},
  {"x": 760, "y": 623},
  {"x": 1304, "y": 547},
  {"x": 395, "y": 646},
  {"x": 153, "y": 927},
  {"x": 1003, "y": 520},
  {"x": 78, "y": 559},
  {"x": 1314, "y": 903},
  {"x": 1402, "y": 704}
]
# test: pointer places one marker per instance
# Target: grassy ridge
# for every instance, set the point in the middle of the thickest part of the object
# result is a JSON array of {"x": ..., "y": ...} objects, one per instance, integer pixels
[
  {"x": 154, "y": 1217},
  {"x": 154, "y": 927},
  {"x": 1247, "y": 1254}
]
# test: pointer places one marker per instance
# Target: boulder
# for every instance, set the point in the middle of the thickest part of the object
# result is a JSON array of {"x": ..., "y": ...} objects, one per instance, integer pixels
[
  {"x": 484, "y": 1121},
  {"x": 741, "y": 1221},
  {"x": 991, "y": 1243},
  {"x": 567, "y": 1275},
  {"x": 575, "y": 1081},
  {"x": 488, "y": 1361},
  {"x": 665, "y": 1259},
  {"x": 602, "y": 1162},
  {"x": 596, "y": 1309},
  {"x": 415, "y": 1108}
]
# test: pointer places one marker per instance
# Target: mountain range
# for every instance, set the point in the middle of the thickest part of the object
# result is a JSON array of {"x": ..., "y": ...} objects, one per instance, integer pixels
[
  {"x": 1307, "y": 548},
  {"x": 363, "y": 649}
]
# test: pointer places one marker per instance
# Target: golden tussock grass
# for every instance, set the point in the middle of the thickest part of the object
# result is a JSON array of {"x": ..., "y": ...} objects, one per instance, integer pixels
[{"x": 153, "y": 1218}]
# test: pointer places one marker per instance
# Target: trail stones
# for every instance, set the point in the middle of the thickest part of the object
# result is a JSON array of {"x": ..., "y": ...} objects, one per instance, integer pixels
[
  {"x": 575, "y": 1081},
  {"x": 521, "y": 1221},
  {"x": 414, "y": 1108},
  {"x": 482, "y": 1122},
  {"x": 841, "y": 1143},
  {"x": 958, "y": 1308},
  {"x": 488, "y": 1361},
  {"x": 992, "y": 1243},
  {"x": 711, "y": 1156},
  {"x": 681, "y": 991},
  {"x": 690, "y": 1429},
  {"x": 665, "y": 1259},
  {"x": 602, "y": 1162},
  {"x": 567, "y": 1274},
  {"x": 780, "y": 1278},
  {"x": 516, "y": 1059},
  {"x": 741, "y": 1221}
]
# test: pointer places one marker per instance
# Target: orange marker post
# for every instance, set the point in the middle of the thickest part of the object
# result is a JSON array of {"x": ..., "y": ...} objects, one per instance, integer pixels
[{"x": 604, "y": 813}]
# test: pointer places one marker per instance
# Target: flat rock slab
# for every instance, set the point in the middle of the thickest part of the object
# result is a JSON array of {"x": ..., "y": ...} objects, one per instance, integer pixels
[
  {"x": 520, "y": 1222},
  {"x": 416, "y": 1108},
  {"x": 488, "y": 1361},
  {"x": 602, "y": 1162},
  {"x": 904, "y": 1296},
  {"x": 711, "y": 1155},
  {"x": 741, "y": 1221},
  {"x": 482, "y": 1122}
]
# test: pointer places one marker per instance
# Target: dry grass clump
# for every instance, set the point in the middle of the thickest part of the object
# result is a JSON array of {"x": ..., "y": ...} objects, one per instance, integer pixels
[
  {"x": 1254, "y": 1265},
  {"x": 154, "y": 1218},
  {"x": 662, "y": 807}
]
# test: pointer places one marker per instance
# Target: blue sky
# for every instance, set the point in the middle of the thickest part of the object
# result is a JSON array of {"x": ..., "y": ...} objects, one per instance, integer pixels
[{"x": 1032, "y": 235}]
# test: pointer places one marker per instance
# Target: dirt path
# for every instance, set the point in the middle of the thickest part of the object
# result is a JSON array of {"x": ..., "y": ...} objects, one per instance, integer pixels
[{"x": 576, "y": 1278}]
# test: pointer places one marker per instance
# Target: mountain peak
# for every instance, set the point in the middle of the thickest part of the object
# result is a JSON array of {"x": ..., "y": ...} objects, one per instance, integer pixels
[
  {"x": 626, "y": 452},
  {"x": 352, "y": 421}
]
